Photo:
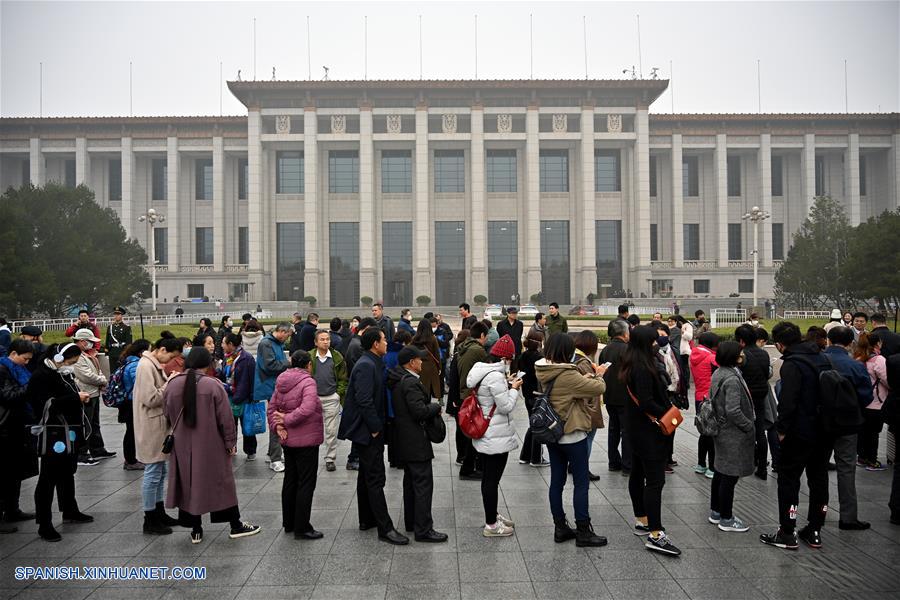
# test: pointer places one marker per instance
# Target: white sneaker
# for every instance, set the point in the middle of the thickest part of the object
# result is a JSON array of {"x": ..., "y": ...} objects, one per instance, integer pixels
[
  {"x": 268, "y": 460},
  {"x": 277, "y": 466},
  {"x": 505, "y": 521},
  {"x": 252, "y": 457},
  {"x": 498, "y": 530}
]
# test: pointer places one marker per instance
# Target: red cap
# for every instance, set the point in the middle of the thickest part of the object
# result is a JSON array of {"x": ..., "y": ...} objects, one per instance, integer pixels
[{"x": 504, "y": 347}]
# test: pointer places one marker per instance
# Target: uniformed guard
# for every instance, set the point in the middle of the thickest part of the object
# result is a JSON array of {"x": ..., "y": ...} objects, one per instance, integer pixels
[{"x": 118, "y": 335}]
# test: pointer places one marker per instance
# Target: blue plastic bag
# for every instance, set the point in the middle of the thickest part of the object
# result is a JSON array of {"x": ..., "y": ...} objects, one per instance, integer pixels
[{"x": 253, "y": 421}]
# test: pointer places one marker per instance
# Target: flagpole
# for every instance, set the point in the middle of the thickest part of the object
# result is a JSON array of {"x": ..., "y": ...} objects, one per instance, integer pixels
[
  {"x": 476, "y": 46},
  {"x": 308, "y": 51},
  {"x": 420, "y": 46}
]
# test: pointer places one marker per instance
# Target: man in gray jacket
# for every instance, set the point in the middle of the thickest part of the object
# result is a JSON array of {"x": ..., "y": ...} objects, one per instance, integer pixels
[{"x": 90, "y": 379}]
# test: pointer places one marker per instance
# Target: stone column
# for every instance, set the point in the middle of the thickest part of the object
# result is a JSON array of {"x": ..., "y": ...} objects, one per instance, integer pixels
[
  {"x": 588, "y": 266},
  {"x": 173, "y": 167},
  {"x": 423, "y": 225},
  {"x": 255, "y": 228},
  {"x": 36, "y": 164},
  {"x": 219, "y": 231},
  {"x": 765, "y": 191},
  {"x": 82, "y": 162},
  {"x": 721, "y": 171},
  {"x": 532, "y": 204},
  {"x": 641, "y": 243},
  {"x": 808, "y": 172},
  {"x": 677, "y": 203},
  {"x": 128, "y": 188},
  {"x": 478, "y": 222},
  {"x": 312, "y": 273},
  {"x": 851, "y": 178},
  {"x": 367, "y": 268}
]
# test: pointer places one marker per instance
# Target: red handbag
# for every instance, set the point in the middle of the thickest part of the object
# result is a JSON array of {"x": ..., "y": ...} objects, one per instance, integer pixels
[{"x": 471, "y": 419}]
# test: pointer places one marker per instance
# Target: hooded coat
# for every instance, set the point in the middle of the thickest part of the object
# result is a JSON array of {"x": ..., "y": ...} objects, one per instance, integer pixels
[
  {"x": 490, "y": 379},
  {"x": 295, "y": 395}
]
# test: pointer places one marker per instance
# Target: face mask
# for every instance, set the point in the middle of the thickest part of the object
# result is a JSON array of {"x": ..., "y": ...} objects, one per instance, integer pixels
[
  {"x": 66, "y": 370},
  {"x": 186, "y": 351},
  {"x": 662, "y": 341},
  {"x": 354, "y": 324}
]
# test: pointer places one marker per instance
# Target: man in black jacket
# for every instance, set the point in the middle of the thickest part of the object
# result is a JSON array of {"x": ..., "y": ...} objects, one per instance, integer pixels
[
  {"x": 512, "y": 327},
  {"x": 755, "y": 370},
  {"x": 308, "y": 332},
  {"x": 297, "y": 328},
  {"x": 363, "y": 423},
  {"x": 890, "y": 341},
  {"x": 615, "y": 397},
  {"x": 803, "y": 446},
  {"x": 412, "y": 407}
]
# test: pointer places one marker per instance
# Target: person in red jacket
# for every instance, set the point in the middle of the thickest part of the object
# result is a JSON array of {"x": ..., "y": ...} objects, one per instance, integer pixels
[
  {"x": 703, "y": 363},
  {"x": 84, "y": 322}
]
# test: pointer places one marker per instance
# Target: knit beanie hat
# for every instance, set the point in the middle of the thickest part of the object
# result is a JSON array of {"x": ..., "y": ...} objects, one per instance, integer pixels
[{"x": 504, "y": 347}]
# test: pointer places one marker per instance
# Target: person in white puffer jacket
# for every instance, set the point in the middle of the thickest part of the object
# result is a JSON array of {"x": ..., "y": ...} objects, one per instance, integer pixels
[{"x": 500, "y": 438}]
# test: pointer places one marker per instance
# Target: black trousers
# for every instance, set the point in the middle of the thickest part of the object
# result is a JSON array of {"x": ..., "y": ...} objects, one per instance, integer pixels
[
  {"x": 128, "y": 449},
  {"x": 10, "y": 488},
  {"x": 195, "y": 522},
  {"x": 370, "y": 482},
  {"x": 249, "y": 440},
  {"x": 648, "y": 476},
  {"x": 867, "y": 446},
  {"x": 532, "y": 452},
  {"x": 706, "y": 447},
  {"x": 894, "y": 502},
  {"x": 617, "y": 431},
  {"x": 493, "y": 466},
  {"x": 721, "y": 498},
  {"x": 418, "y": 488},
  {"x": 760, "y": 456},
  {"x": 470, "y": 458},
  {"x": 798, "y": 456},
  {"x": 57, "y": 472},
  {"x": 92, "y": 412},
  {"x": 301, "y": 467}
]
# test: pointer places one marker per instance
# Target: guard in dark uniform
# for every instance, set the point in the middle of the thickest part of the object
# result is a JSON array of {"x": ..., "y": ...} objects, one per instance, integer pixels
[{"x": 118, "y": 335}]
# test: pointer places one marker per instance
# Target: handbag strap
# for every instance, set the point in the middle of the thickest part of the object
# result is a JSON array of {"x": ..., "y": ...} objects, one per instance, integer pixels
[
  {"x": 637, "y": 403},
  {"x": 177, "y": 419}
]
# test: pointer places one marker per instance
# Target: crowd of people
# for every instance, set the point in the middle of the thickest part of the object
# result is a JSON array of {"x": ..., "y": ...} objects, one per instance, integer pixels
[{"x": 385, "y": 388}]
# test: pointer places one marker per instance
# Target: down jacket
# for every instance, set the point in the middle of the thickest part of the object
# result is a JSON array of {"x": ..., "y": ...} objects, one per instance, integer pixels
[
  {"x": 703, "y": 363},
  {"x": 295, "y": 395},
  {"x": 490, "y": 379}
]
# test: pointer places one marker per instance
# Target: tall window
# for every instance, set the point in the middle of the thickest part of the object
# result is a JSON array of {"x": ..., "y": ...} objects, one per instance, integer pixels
[
  {"x": 691, "y": 241},
  {"x": 204, "y": 248},
  {"x": 777, "y": 241},
  {"x": 609, "y": 257},
  {"x": 161, "y": 245},
  {"x": 243, "y": 178},
  {"x": 777, "y": 176},
  {"x": 652, "y": 176},
  {"x": 449, "y": 172},
  {"x": 450, "y": 262},
  {"x": 26, "y": 171},
  {"x": 554, "y": 170},
  {"x": 734, "y": 175},
  {"x": 734, "y": 241},
  {"x": 115, "y": 180},
  {"x": 70, "y": 173},
  {"x": 555, "y": 261},
  {"x": 503, "y": 261},
  {"x": 396, "y": 172},
  {"x": 290, "y": 255},
  {"x": 701, "y": 286},
  {"x": 160, "y": 185},
  {"x": 289, "y": 173},
  {"x": 343, "y": 245},
  {"x": 862, "y": 175},
  {"x": 820, "y": 175},
  {"x": 501, "y": 170},
  {"x": 343, "y": 172},
  {"x": 195, "y": 290},
  {"x": 607, "y": 176},
  {"x": 396, "y": 255},
  {"x": 690, "y": 176},
  {"x": 243, "y": 246},
  {"x": 203, "y": 179},
  {"x": 745, "y": 286},
  {"x": 654, "y": 242}
]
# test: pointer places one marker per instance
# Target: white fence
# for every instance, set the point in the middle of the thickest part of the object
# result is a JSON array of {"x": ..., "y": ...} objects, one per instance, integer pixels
[
  {"x": 727, "y": 317},
  {"x": 188, "y": 318},
  {"x": 807, "y": 314}
]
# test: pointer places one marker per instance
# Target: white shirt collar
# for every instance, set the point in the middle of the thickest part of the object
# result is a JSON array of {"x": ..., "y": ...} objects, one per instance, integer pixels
[
  {"x": 324, "y": 358},
  {"x": 413, "y": 373}
]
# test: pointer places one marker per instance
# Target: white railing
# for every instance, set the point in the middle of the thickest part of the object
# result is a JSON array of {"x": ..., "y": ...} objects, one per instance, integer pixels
[
  {"x": 726, "y": 317},
  {"x": 807, "y": 314},
  {"x": 661, "y": 264},
  {"x": 197, "y": 268},
  {"x": 701, "y": 264},
  {"x": 740, "y": 264},
  {"x": 236, "y": 268},
  {"x": 190, "y": 318}
]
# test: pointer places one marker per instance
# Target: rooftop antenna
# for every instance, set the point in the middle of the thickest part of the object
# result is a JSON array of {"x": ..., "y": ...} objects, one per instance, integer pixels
[
  {"x": 308, "y": 53},
  {"x": 531, "y": 44},
  {"x": 640, "y": 65},
  {"x": 654, "y": 72},
  {"x": 476, "y": 46},
  {"x": 420, "y": 46},
  {"x": 239, "y": 75},
  {"x": 632, "y": 71},
  {"x": 584, "y": 28},
  {"x": 325, "y": 78},
  {"x": 273, "y": 73}
]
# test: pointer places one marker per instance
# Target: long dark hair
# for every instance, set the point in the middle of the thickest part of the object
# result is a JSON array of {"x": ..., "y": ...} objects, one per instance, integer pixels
[
  {"x": 638, "y": 356},
  {"x": 195, "y": 364},
  {"x": 135, "y": 348},
  {"x": 424, "y": 338}
]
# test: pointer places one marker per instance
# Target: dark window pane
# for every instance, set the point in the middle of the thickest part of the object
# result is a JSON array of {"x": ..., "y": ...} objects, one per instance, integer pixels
[
  {"x": 70, "y": 173},
  {"x": 343, "y": 246},
  {"x": 777, "y": 176},
  {"x": 652, "y": 176},
  {"x": 204, "y": 249},
  {"x": 203, "y": 183},
  {"x": 820, "y": 175},
  {"x": 396, "y": 172},
  {"x": 195, "y": 290},
  {"x": 161, "y": 245},
  {"x": 449, "y": 171},
  {"x": 160, "y": 179},
  {"x": 862, "y": 175},
  {"x": 243, "y": 245},
  {"x": 701, "y": 286},
  {"x": 606, "y": 171},
  {"x": 691, "y": 241},
  {"x": 654, "y": 242},
  {"x": 777, "y": 241},
  {"x": 734, "y": 175},
  {"x": 609, "y": 257},
  {"x": 291, "y": 255},
  {"x": 503, "y": 261},
  {"x": 690, "y": 176},
  {"x": 554, "y": 170},
  {"x": 396, "y": 257},
  {"x": 555, "y": 261},
  {"x": 115, "y": 180},
  {"x": 501, "y": 170},
  {"x": 735, "y": 250},
  {"x": 289, "y": 173},
  {"x": 450, "y": 262},
  {"x": 745, "y": 286},
  {"x": 243, "y": 178},
  {"x": 343, "y": 172}
]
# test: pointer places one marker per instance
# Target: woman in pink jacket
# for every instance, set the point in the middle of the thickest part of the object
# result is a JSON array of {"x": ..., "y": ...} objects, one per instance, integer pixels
[
  {"x": 703, "y": 363},
  {"x": 295, "y": 414},
  {"x": 868, "y": 351}
]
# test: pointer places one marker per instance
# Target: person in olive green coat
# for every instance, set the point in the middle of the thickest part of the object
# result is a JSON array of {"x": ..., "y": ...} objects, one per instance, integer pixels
[
  {"x": 329, "y": 369},
  {"x": 556, "y": 323}
]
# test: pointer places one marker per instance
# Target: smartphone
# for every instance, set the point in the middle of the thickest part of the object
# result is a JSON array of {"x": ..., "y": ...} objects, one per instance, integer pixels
[
  {"x": 607, "y": 364},
  {"x": 520, "y": 375}
]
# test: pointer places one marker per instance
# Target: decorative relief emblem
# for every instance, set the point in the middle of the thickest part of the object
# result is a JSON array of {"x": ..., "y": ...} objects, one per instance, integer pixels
[
  {"x": 283, "y": 124},
  {"x": 560, "y": 123},
  {"x": 614, "y": 123},
  {"x": 338, "y": 124},
  {"x": 394, "y": 123},
  {"x": 504, "y": 123},
  {"x": 448, "y": 123}
]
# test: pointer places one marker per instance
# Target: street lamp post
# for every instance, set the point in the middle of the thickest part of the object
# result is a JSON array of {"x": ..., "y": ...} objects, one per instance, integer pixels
[
  {"x": 151, "y": 217},
  {"x": 755, "y": 216}
]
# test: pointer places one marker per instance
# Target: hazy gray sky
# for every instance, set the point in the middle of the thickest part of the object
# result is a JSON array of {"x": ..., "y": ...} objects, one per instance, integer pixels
[{"x": 176, "y": 48}]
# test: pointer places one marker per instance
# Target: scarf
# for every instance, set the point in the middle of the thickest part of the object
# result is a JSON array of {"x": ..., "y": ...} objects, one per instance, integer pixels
[
  {"x": 228, "y": 368},
  {"x": 19, "y": 373}
]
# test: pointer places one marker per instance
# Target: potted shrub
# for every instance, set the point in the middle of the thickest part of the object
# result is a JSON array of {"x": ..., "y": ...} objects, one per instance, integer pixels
[
  {"x": 366, "y": 301},
  {"x": 423, "y": 300},
  {"x": 480, "y": 300}
]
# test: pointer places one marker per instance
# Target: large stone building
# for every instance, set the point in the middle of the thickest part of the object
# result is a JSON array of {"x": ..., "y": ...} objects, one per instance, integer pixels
[{"x": 450, "y": 189}]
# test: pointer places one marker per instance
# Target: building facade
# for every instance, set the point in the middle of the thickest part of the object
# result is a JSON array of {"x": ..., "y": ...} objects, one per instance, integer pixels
[{"x": 452, "y": 189}]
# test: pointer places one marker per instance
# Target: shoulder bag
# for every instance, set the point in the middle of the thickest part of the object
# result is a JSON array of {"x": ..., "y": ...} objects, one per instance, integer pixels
[{"x": 667, "y": 423}]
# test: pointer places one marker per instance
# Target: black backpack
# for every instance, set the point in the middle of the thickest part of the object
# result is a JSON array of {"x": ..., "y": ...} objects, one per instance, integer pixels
[
  {"x": 839, "y": 410},
  {"x": 544, "y": 422}
]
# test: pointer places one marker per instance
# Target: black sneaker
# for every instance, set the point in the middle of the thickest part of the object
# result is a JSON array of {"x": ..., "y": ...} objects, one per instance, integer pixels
[
  {"x": 196, "y": 537},
  {"x": 779, "y": 539},
  {"x": 641, "y": 529},
  {"x": 854, "y": 525},
  {"x": 87, "y": 461},
  {"x": 243, "y": 530},
  {"x": 101, "y": 454},
  {"x": 811, "y": 537},
  {"x": 662, "y": 545},
  {"x": 78, "y": 517},
  {"x": 49, "y": 534},
  {"x": 353, "y": 466}
]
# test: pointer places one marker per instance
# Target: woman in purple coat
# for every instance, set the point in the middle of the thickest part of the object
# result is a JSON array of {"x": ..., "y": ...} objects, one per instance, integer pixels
[
  {"x": 295, "y": 414},
  {"x": 200, "y": 473}
]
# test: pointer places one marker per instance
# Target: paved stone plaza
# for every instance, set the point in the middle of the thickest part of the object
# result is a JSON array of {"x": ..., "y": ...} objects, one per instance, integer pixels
[{"x": 349, "y": 563}]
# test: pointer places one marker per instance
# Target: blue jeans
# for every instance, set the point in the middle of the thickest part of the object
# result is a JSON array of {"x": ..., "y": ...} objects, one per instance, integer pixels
[
  {"x": 562, "y": 455},
  {"x": 153, "y": 488},
  {"x": 590, "y": 443}
]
